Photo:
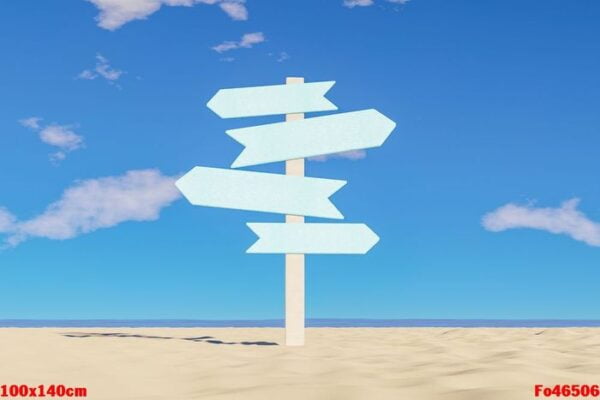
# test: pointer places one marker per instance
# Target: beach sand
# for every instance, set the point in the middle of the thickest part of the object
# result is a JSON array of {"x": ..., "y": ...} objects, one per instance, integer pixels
[{"x": 336, "y": 363}]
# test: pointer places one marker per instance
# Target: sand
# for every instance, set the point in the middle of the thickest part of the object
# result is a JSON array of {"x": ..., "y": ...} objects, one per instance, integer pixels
[{"x": 340, "y": 363}]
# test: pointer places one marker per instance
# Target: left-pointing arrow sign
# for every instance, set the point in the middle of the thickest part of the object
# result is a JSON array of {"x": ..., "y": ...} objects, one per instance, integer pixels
[
  {"x": 272, "y": 100},
  {"x": 312, "y": 238},
  {"x": 259, "y": 191}
]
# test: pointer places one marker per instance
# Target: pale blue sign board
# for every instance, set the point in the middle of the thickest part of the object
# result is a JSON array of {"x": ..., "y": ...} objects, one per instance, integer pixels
[
  {"x": 297, "y": 238},
  {"x": 311, "y": 137},
  {"x": 260, "y": 191},
  {"x": 272, "y": 100}
]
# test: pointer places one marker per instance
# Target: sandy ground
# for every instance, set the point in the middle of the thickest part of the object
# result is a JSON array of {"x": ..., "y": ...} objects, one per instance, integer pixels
[{"x": 342, "y": 363}]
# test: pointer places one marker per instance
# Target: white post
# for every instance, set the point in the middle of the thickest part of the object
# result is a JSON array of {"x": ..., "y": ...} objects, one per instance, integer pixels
[{"x": 294, "y": 263}]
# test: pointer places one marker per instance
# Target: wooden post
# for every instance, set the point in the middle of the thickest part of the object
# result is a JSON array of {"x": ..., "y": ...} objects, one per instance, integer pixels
[{"x": 294, "y": 263}]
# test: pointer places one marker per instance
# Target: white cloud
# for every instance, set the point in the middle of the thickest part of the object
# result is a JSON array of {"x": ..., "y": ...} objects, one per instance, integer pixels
[
  {"x": 565, "y": 219},
  {"x": 349, "y": 155},
  {"x": 95, "y": 204},
  {"x": 116, "y": 13},
  {"x": 87, "y": 74},
  {"x": 102, "y": 69},
  {"x": 60, "y": 136},
  {"x": 235, "y": 9},
  {"x": 225, "y": 46},
  {"x": 7, "y": 220},
  {"x": 280, "y": 57},
  {"x": 248, "y": 40},
  {"x": 367, "y": 3},
  {"x": 31, "y": 123},
  {"x": 357, "y": 3},
  {"x": 283, "y": 56}
]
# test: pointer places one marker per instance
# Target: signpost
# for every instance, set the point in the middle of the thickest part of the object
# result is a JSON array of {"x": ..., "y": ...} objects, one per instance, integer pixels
[
  {"x": 260, "y": 191},
  {"x": 312, "y": 238},
  {"x": 272, "y": 100},
  {"x": 311, "y": 137},
  {"x": 291, "y": 194},
  {"x": 294, "y": 262}
]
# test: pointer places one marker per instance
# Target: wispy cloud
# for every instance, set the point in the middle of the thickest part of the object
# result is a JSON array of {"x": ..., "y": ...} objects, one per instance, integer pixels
[
  {"x": 116, "y": 13},
  {"x": 235, "y": 9},
  {"x": 103, "y": 69},
  {"x": 283, "y": 56},
  {"x": 94, "y": 204},
  {"x": 60, "y": 136},
  {"x": 367, "y": 3},
  {"x": 31, "y": 123},
  {"x": 566, "y": 219},
  {"x": 7, "y": 220},
  {"x": 349, "y": 155},
  {"x": 248, "y": 40},
  {"x": 357, "y": 3},
  {"x": 63, "y": 137}
]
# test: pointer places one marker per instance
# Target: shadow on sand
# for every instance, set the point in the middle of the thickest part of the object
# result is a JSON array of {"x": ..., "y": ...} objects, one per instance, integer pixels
[{"x": 205, "y": 339}]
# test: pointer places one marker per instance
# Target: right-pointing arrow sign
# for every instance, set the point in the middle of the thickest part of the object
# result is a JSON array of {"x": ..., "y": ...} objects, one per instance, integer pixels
[
  {"x": 296, "y": 238},
  {"x": 260, "y": 191},
  {"x": 272, "y": 100},
  {"x": 311, "y": 137}
]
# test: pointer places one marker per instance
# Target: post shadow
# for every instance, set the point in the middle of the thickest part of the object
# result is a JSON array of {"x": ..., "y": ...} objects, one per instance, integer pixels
[{"x": 204, "y": 339}]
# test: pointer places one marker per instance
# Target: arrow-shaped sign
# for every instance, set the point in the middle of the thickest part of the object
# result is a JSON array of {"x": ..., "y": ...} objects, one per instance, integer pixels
[
  {"x": 311, "y": 137},
  {"x": 259, "y": 191},
  {"x": 312, "y": 238},
  {"x": 272, "y": 100}
]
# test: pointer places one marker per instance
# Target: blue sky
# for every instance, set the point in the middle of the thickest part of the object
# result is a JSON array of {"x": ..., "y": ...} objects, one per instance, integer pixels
[{"x": 496, "y": 105}]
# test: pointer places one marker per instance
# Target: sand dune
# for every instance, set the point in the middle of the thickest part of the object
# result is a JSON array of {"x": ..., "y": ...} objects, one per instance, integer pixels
[{"x": 341, "y": 363}]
